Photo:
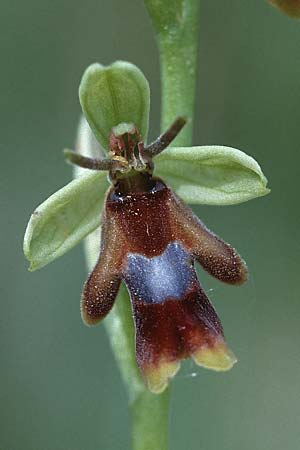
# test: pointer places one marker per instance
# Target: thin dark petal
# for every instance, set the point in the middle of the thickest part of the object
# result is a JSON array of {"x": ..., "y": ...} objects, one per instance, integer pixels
[
  {"x": 163, "y": 141},
  {"x": 86, "y": 162},
  {"x": 216, "y": 256}
]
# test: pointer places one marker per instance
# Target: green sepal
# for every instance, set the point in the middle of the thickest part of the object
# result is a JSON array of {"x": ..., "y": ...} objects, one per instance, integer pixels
[
  {"x": 211, "y": 175},
  {"x": 64, "y": 219},
  {"x": 112, "y": 95}
]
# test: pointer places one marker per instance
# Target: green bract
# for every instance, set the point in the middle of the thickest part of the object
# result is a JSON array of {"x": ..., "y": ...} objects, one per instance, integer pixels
[
  {"x": 212, "y": 175},
  {"x": 112, "y": 95},
  {"x": 118, "y": 95}
]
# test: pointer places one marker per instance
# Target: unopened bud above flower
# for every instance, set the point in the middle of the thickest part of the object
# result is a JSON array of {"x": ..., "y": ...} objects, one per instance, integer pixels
[{"x": 290, "y": 7}]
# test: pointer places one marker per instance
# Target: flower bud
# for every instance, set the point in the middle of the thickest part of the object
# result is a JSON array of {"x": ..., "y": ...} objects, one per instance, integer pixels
[{"x": 290, "y": 7}]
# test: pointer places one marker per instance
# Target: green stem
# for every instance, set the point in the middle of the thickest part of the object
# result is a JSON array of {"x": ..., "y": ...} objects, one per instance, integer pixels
[
  {"x": 176, "y": 23},
  {"x": 150, "y": 421}
]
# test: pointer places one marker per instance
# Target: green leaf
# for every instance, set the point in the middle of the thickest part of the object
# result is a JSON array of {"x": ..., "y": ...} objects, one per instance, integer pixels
[
  {"x": 212, "y": 175},
  {"x": 112, "y": 95},
  {"x": 64, "y": 219}
]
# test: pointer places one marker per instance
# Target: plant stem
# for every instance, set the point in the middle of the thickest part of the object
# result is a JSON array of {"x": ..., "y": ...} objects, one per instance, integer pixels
[
  {"x": 150, "y": 421},
  {"x": 176, "y": 23}
]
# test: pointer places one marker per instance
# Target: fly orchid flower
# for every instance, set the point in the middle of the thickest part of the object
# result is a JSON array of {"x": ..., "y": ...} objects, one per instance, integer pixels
[{"x": 150, "y": 239}]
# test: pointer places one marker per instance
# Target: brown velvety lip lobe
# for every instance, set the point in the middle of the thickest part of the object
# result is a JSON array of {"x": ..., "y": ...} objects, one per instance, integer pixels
[
  {"x": 98, "y": 298},
  {"x": 175, "y": 329},
  {"x": 216, "y": 256}
]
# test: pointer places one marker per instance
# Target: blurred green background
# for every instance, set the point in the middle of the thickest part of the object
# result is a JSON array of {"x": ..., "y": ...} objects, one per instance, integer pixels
[{"x": 59, "y": 385}]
